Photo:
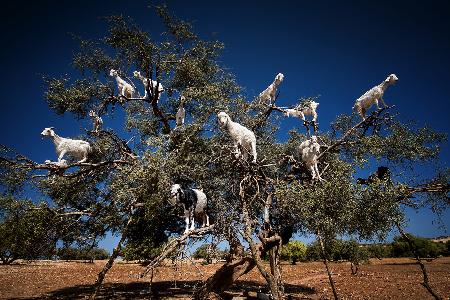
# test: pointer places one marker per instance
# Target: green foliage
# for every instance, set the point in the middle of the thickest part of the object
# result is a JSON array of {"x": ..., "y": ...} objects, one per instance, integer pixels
[
  {"x": 293, "y": 251},
  {"x": 12, "y": 177},
  {"x": 394, "y": 141},
  {"x": 209, "y": 252},
  {"x": 352, "y": 251},
  {"x": 328, "y": 205},
  {"x": 379, "y": 250},
  {"x": 77, "y": 97},
  {"x": 337, "y": 250},
  {"x": 423, "y": 247},
  {"x": 84, "y": 253},
  {"x": 26, "y": 231}
]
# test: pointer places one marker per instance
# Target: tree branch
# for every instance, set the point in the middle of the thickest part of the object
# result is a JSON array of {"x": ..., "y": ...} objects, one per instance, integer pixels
[
  {"x": 172, "y": 245},
  {"x": 54, "y": 168},
  {"x": 325, "y": 261},
  {"x": 112, "y": 258},
  {"x": 361, "y": 124}
]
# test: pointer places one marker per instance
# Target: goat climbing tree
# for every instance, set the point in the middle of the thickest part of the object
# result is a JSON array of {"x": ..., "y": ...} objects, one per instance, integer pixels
[{"x": 124, "y": 189}]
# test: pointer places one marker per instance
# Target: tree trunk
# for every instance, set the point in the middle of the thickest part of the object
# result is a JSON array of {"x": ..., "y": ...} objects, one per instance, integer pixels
[
  {"x": 224, "y": 277},
  {"x": 275, "y": 270},
  {"x": 259, "y": 250},
  {"x": 425, "y": 283},
  {"x": 325, "y": 261},
  {"x": 112, "y": 258}
]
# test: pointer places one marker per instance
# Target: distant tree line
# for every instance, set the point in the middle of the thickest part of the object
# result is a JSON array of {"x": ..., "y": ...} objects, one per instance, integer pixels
[
  {"x": 351, "y": 250},
  {"x": 85, "y": 253}
]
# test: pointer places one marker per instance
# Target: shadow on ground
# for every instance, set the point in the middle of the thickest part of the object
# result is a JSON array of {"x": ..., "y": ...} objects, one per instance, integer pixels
[{"x": 165, "y": 289}]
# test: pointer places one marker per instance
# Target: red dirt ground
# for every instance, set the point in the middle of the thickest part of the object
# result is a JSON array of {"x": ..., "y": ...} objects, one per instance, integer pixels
[{"x": 386, "y": 279}]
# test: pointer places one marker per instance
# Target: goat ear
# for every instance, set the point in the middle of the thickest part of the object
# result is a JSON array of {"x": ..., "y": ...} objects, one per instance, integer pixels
[{"x": 51, "y": 127}]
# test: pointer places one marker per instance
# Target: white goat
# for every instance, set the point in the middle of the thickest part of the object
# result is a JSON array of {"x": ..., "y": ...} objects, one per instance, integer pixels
[
  {"x": 309, "y": 151},
  {"x": 76, "y": 148},
  {"x": 125, "y": 89},
  {"x": 96, "y": 120},
  {"x": 267, "y": 96},
  {"x": 149, "y": 84},
  {"x": 194, "y": 203},
  {"x": 309, "y": 108},
  {"x": 181, "y": 113},
  {"x": 242, "y": 136},
  {"x": 372, "y": 96}
]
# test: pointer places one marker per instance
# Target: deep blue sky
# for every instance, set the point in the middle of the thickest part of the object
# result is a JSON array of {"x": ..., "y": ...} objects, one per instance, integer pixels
[{"x": 336, "y": 49}]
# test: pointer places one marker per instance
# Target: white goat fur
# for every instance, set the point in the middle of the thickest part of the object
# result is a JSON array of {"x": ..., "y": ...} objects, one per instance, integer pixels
[
  {"x": 76, "y": 148},
  {"x": 242, "y": 136},
  {"x": 301, "y": 112},
  {"x": 267, "y": 96},
  {"x": 181, "y": 114},
  {"x": 96, "y": 120},
  {"x": 149, "y": 84},
  {"x": 309, "y": 151},
  {"x": 373, "y": 95},
  {"x": 177, "y": 193},
  {"x": 125, "y": 89}
]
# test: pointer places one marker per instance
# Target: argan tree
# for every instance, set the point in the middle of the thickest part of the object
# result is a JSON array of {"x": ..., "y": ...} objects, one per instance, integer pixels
[{"x": 124, "y": 189}]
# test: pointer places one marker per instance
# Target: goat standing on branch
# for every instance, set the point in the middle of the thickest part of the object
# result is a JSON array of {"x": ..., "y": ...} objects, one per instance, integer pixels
[
  {"x": 181, "y": 113},
  {"x": 305, "y": 108},
  {"x": 309, "y": 151},
  {"x": 125, "y": 89},
  {"x": 96, "y": 120},
  {"x": 373, "y": 95},
  {"x": 149, "y": 85},
  {"x": 242, "y": 137},
  {"x": 267, "y": 96},
  {"x": 194, "y": 203},
  {"x": 76, "y": 148}
]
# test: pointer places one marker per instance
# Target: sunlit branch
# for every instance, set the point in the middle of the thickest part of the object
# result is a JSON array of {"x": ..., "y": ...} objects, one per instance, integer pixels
[{"x": 54, "y": 168}]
